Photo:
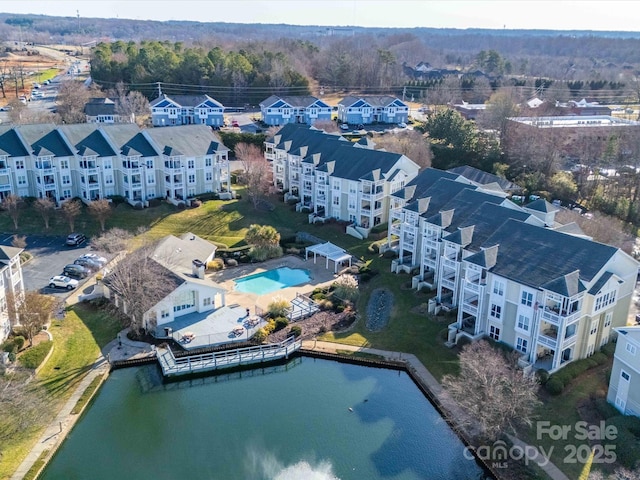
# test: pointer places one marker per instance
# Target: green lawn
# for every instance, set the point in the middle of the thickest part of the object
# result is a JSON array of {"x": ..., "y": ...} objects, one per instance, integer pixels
[{"x": 76, "y": 342}]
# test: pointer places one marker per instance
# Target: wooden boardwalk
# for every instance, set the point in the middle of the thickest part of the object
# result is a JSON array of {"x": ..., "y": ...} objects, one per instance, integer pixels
[{"x": 172, "y": 366}]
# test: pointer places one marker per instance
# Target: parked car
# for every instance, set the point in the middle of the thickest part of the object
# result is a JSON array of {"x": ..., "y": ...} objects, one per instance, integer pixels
[
  {"x": 95, "y": 257},
  {"x": 88, "y": 263},
  {"x": 78, "y": 271},
  {"x": 76, "y": 239},
  {"x": 61, "y": 281},
  {"x": 402, "y": 125},
  {"x": 344, "y": 126}
]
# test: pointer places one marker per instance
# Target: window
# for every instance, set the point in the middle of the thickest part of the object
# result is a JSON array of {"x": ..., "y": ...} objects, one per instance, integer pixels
[
  {"x": 336, "y": 200},
  {"x": 527, "y": 299},
  {"x": 631, "y": 349},
  {"x": 164, "y": 314},
  {"x": 625, "y": 375},
  {"x": 607, "y": 319},
  {"x": 523, "y": 323},
  {"x": 191, "y": 164},
  {"x": 594, "y": 327},
  {"x": 20, "y": 164},
  {"x": 22, "y": 180},
  {"x": 149, "y": 163},
  {"x": 66, "y": 194},
  {"x": 151, "y": 179},
  {"x": 496, "y": 311},
  {"x": 108, "y": 179},
  {"x": 64, "y": 164},
  {"x": 191, "y": 178},
  {"x": 570, "y": 331},
  {"x": 208, "y": 176},
  {"x": 498, "y": 287},
  {"x": 206, "y": 302},
  {"x": 494, "y": 332},
  {"x": 605, "y": 299},
  {"x": 522, "y": 344},
  {"x": 106, "y": 164}
]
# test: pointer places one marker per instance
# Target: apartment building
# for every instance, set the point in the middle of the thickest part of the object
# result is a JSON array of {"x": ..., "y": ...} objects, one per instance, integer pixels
[
  {"x": 170, "y": 111},
  {"x": 306, "y": 109},
  {"x": 11, "y": 285},
  {"x": 624, "y": 384},
  {"x": 334, "y": 178},
  {"x": 510, "y": 273},
  {"x": 90, "y": 162}
]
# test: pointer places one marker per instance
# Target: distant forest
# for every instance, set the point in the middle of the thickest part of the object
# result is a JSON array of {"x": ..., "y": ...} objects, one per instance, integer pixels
[{"x": 238, "y": 63}]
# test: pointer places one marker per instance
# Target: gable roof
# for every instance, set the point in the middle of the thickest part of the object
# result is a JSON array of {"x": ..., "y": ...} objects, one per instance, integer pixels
[
  {"x": 541, "y": 205},
  {"x": 302, "y": 101},
  {"x": 87, "y": 139},
  {"x": 421, "y": 182},
  {"x": 44, "y": 139},
  {"x": 484, "y": 178},
  {"x": 535, "y": 256},
  {"x": 11, "y": 144},
  {"x": 188, "y": 140},
  {"x": 100, "y": 106},
  {"x": 183, "y": 100},
  {"x": 376, "y": 101},
  {"x": 7, "y": 253}
]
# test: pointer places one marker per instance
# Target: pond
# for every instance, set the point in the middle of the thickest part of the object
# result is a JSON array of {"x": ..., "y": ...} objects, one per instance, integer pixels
[{"x": 309, "y": 419}]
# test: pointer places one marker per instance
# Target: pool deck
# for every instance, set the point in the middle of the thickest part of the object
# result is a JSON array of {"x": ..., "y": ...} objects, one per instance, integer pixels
[{"x": 320, "y": 276}]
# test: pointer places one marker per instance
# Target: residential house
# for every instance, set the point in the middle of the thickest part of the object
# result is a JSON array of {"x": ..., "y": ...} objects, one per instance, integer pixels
[
  {"x": 624, "y": 383},
  {"x": 334, "y": 178},
  {"x": 470, "y": 111},
  {"x": 103, "y": 110},
  {"x": 485, "y": 179},
  {"x": 91, "y": 161},
  {"x": 169, "y": 111},
  {"x": 551, "y": 295},
  {"x": 372, "y": 109},
  {"x": 277, "y": 110},
  {"x": 181, "y": 262},
  {"x": 11, "y": 285}
]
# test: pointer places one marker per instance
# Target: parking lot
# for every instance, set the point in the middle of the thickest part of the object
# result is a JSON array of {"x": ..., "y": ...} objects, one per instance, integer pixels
[{"x": 50, "y": 255}]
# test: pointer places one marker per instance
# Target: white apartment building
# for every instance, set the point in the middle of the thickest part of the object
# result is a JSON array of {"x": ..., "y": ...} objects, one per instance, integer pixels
[
  {"x": 624, "y": 384},
  {"x": 92, "y": 161},
  {"x": 11, "y": 285},
  {"x": 334, "y": 178},
  {"x": 550, "y": 295}
]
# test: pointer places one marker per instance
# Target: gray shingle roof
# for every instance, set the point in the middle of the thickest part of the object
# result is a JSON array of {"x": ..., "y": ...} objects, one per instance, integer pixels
[
  {"x": 541, "y": 205},
  {"x": 484, "y": 178},
  {"x": 100, "y": 106},
  {"x": 301, "y": 101},
  {"x": 422, "y": 182},
  {"x": 567, "y": 285},
  {"x": 185, "y": 100},
  {"x": 11, "y": 143},
  {"x": 44, "y": 139},
  {"x": 373, "y": 100},
  {"x": 86, "y": 137},
  {"x": 535, "y": 256}
]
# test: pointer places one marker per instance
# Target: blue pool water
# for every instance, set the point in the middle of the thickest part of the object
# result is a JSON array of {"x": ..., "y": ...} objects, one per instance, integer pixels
[{"x": 272, "y": 280}]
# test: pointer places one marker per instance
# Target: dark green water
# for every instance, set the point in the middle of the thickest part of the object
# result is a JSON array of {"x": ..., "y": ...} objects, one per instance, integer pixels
[{"x": 283, "y": 423}]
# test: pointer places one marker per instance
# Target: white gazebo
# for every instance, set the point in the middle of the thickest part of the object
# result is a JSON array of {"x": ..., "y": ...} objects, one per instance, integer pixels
[{"x": 330, "y": 252}]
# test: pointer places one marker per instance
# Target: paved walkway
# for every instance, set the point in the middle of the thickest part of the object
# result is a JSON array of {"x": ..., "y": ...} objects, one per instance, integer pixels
[{"x": 420, "y": 371}]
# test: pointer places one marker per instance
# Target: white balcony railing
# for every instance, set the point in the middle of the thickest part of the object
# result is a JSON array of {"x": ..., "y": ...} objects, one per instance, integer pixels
[{"x": 548, "y": 341}]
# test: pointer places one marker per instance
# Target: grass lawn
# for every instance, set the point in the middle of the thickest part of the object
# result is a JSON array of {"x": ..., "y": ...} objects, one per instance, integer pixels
[{"x": 76, "y": 344}]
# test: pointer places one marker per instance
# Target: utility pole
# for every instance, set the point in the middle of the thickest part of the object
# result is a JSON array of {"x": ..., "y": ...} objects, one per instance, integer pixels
[
  {"x": 404, "y": 92},
  {"x": 159, "y": 89}
]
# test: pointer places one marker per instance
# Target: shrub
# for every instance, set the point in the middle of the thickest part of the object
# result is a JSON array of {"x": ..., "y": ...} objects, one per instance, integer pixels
[
  {"x": 231, "y": 262},
  {"x": 463, "y": 341},
  {"x": 278, "y": 308},
  {"x": 281, "y": 322},
  {"x": 195, "y": 203},
  {"x": 33, "y": 357},
  {"x": 265, "y": 252},
  {"x": 609, "y": 349},
  {"x": 554, "y": 385},
  {"x": 325, "y": 304},
  {"x": 600, "y": 358},
  {"x": 18, "y": 342},
  {"x": 296, "y": 331},
  {"x": 244, "y": 259},
  {"x": 215, "y": 264},
  {"x": 260, "y": 335},
  {"x": 346, "y": 288},
  {"x": 293, "y": 251},
  {"x": 543, "y": 376},
  {"x": 9, "y": 346},
  {"x": 390, "y": 254},
  {"x": 317, "y": 296}
]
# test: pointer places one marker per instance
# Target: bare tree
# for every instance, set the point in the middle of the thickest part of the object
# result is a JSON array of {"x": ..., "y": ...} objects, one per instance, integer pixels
[
  {"x": 113, "y": 240},
  {"x": 70, "y": 211},
  {"x": 19, "y": 241},
  {"x": 131, "y": 105},
  {"x": 101, "y": 211},
  {"x": 257, "y": 175},
  {"x": 33, "y": 313},
  {"x": 139, "y": 282},
  {"x": 492, "y": 390},
  {"x": 72, "y": 97},
  {"x": 327, "y": 125},
  {"x": 602, "y": 228},
  {"x": 13, "y": 205},
  {"x": 410, "y": 143},
  {"x": 45, "y": 207}
]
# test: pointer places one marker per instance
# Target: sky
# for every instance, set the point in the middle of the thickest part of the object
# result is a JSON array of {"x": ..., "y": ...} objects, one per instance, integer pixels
[{"x": 615, "y": 15}]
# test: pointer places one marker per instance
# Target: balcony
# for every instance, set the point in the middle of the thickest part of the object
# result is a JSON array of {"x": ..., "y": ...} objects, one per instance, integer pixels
[
  {"x": 366, "y": 196},
  {"x": 547, "y": 341},
  {"x": 470, "y": 305},
  {"x": 448, "y": 263},
  {"x": 556, "y": 316},
  {"x": 474, "y": 286},
  {"x": 448, "y": 282}
]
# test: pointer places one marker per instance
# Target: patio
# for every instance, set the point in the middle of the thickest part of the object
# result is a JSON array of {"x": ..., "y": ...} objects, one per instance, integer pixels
[{"x": 221, "y": 326}]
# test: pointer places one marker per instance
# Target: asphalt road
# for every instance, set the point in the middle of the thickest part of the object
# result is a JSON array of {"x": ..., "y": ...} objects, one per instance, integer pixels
[{"x": 50, "y": 255}]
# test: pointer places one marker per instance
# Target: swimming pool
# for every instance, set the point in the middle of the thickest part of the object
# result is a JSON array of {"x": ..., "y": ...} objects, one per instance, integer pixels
[{"x": 272, "y": 280}]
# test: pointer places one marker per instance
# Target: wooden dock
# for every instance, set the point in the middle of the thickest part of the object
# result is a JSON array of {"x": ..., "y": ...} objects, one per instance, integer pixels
[{"x": 172, "y": 366}]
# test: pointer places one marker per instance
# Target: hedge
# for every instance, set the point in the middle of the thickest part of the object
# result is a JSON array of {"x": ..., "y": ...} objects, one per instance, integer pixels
[
  {"x": 33, "y": 357},
  {"x": 559, "y": 380}
]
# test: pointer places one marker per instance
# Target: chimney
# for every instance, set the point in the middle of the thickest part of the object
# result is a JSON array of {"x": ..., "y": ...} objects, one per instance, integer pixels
[{"x": 197, "y": 268}]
